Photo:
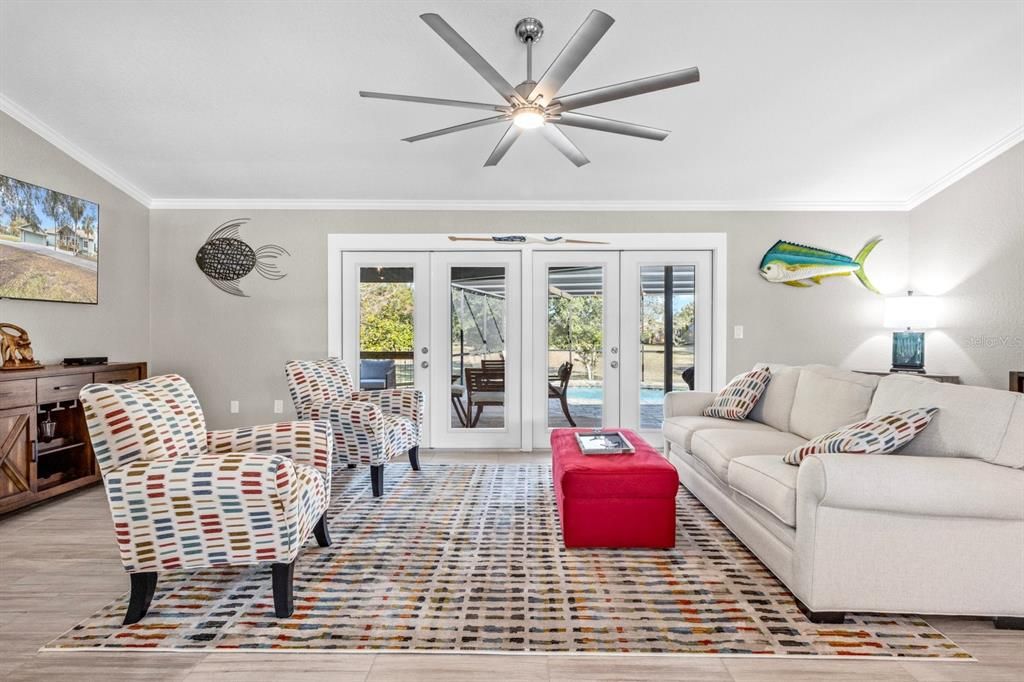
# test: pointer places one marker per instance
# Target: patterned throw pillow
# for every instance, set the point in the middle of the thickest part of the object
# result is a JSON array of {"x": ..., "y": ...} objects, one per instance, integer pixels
[
  {"x": 736, "y": 400},
  {"x": 881, "y": 435}
]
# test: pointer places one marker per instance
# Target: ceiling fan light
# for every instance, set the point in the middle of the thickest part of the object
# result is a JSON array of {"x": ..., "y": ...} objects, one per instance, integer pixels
[{"x": 528, "y": 117}]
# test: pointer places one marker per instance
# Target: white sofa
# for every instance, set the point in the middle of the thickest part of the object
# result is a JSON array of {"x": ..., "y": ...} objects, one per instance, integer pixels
[{"x": 935, "y": 529}]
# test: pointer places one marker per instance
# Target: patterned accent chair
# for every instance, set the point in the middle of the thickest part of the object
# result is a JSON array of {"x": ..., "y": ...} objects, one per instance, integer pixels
[
  {"x": 370, "y": 427},
  {"x": 185, "y": 498}
]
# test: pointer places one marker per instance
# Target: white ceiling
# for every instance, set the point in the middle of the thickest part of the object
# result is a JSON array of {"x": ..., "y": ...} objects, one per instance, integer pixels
[{"x": 801, "y": 103}]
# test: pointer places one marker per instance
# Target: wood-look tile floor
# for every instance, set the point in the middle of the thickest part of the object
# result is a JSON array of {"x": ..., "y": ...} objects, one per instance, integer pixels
[{"x": 58, "y": 565}]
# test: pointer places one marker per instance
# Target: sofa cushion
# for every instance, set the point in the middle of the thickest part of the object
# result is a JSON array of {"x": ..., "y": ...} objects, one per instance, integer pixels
[
  {"x": 680, "y": 430},
  {"x": 716, "y": 447},
  {"x": 738, "y": 398},
  {"x": 827, "y": 398},
  {"x": 776, "y": 402},
  {"x": 883, "y": 434},
  {"x": 975, "y": 422},
  {"x": 768, "y": 482}
]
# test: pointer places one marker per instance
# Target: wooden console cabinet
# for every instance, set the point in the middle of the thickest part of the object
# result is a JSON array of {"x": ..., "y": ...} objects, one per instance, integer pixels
[{"x": 35, "y": 466}]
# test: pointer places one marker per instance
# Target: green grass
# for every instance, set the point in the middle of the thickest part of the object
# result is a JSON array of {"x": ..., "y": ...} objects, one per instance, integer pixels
[{"x": 32, "y": 275}]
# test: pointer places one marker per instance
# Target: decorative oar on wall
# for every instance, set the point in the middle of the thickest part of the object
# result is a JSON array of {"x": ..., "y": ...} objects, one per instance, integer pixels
[{"x": 523, "y": 239}]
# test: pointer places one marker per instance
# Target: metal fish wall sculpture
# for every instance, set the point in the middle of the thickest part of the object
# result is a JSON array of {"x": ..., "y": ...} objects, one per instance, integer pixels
[
  {"x": 225, "y": 259},
  {"x": 797, "y": 265}
]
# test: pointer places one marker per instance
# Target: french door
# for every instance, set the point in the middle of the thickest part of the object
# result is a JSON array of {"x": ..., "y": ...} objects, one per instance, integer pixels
[
  {"x": 606, "y": 334},
  {"x": 447, "y": 323},
  {"x": 576, "y": 341},
  {"x": 615, "y": 331}
]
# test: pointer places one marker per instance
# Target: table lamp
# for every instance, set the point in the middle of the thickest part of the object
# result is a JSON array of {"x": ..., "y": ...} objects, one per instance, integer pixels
[{"x": 912, "y": 314}]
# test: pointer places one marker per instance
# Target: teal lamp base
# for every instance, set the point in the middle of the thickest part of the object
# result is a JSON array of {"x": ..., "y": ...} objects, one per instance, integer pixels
[{"x": 908, "y": 352}]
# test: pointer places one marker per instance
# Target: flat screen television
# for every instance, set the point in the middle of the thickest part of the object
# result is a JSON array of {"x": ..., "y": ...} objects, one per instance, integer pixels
[{"x": 49, "y": 244}]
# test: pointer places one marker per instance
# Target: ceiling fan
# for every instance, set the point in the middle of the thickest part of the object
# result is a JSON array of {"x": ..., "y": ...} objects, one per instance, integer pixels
[{"x": 536, "y": 104}]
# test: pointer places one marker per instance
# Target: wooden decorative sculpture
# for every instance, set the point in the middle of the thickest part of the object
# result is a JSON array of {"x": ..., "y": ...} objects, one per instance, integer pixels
[{"x": 15, "y": 348}]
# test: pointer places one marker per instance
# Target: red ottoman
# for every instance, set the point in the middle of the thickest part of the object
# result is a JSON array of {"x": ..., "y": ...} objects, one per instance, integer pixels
[{"x": 614, "y": 500}]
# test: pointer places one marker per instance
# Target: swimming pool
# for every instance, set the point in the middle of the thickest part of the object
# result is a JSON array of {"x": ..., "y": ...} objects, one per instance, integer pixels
[{"x": 582, "y": 395}]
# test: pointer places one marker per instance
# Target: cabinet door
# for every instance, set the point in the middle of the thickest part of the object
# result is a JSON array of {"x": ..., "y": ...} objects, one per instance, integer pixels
[{"x": 17, "y": 436}]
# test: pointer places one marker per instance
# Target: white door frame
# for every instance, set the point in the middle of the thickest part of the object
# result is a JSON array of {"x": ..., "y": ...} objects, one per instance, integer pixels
[
  {"x": 630, "y": 336},
  {"x": 608, "y": 261},
  {"x": 715, "y": 242}
]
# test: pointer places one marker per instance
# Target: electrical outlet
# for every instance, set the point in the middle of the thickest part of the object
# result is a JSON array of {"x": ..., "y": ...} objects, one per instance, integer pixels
[
  {"x": 278, "y": 406},
  {"x": 737, "y": 331},
  {"x": 234, "y": 407}
]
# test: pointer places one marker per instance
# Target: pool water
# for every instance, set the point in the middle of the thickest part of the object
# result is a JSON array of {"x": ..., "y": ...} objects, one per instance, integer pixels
[{"x": 595, "y": 394}]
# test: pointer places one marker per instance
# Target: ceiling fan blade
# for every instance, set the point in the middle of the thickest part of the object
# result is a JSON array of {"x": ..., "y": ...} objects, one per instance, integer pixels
[
  {"x": 627, "y": 89},
  {"x": 564, "y": 145},
  {"x": 434, "y": 100},
  {"x": 466, "y": 51},
  {"x": 572, "y": 55},
  {"x": 504, "y": 144},
  {"x": 456, "y": 129},
  {"x": 609, "y": 125}
]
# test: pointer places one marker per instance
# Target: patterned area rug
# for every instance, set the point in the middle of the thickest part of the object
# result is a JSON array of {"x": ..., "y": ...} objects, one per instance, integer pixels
[{"x": 469, "y": 558}]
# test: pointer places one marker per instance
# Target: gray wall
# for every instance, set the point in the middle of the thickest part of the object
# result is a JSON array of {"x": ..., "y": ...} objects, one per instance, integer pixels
[
  {"x": 235, "y": 348},
  {"x": 967, "y": 246},
  {"x": 119, "y": 325}
]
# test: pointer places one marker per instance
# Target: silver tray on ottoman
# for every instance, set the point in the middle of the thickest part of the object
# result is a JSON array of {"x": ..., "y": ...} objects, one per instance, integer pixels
[{"x": 604, "y": 443}]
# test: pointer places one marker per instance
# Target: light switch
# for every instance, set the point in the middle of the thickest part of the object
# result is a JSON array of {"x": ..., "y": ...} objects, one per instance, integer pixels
[
  {"x": 234, "y": 407},
  {"x": 278, "y": 406},
  {"x": 737, "y": 331}
]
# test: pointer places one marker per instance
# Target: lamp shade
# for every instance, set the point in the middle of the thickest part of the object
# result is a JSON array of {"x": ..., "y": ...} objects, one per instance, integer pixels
[{"x": 910, "y": 312}]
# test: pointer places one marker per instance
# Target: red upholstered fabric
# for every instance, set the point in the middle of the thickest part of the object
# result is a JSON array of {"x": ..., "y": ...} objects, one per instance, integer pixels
[{"x": 613, "y": 500}]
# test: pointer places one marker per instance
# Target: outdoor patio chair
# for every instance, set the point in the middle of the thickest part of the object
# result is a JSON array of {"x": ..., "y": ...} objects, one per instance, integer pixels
[
  {"x": 561, "y": 391},
  {"x": 375, "y": 375},
  {"x": 484, "y": 388}
]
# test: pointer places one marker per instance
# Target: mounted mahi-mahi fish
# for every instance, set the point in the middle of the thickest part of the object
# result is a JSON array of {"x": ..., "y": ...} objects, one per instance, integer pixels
[
  {"x": 798, "y": 265},
  {"x": 224, "y": 258}
]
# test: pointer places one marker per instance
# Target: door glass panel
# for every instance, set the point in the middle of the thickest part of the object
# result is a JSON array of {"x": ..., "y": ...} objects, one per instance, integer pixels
[
  {"x": 478, "y": 309},
  {"x": 575, "y": 358},
  {"x": 666, "y": 337},
  {"x": 386, "y": 341}
]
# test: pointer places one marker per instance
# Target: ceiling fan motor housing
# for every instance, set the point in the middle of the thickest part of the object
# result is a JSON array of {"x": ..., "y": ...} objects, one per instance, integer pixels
[{"x": 529, "y": 29}]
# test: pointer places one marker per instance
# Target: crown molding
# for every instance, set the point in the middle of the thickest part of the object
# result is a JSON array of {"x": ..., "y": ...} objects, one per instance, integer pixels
[
  {"x": 30, "y": 121},
  {"x": 972, "y": 164},
  {"x": 446, "y": 205}
]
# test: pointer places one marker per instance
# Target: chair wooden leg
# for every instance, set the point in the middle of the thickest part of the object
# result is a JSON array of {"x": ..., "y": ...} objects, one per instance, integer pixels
[
  {"x": 414, "y": 458},
  {"x": 565, "y": 409},
  {"x": 283, "y": 575},
  {"x": 377, "y": 479},
  {"x": 143, "y": 588},
  {"x": 476, "y": 417},
  {"x": 323, "y": 535},
  {"x": 460, "y": 412}
]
